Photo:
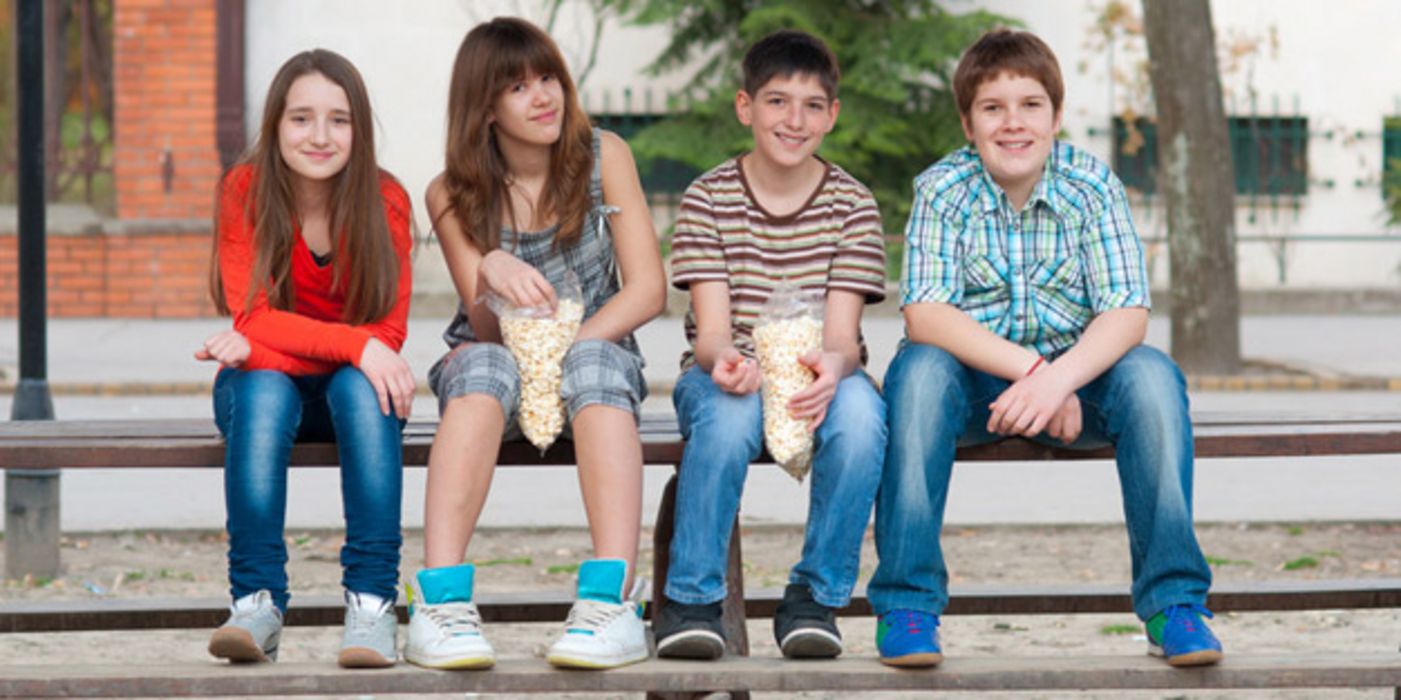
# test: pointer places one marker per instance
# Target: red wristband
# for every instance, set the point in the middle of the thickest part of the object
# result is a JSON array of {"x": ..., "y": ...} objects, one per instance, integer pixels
[{"x": 1034, "y": 365}]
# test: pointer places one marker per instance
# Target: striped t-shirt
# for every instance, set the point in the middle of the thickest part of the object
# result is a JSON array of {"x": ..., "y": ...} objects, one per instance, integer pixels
[{"x": 833, "y": 242}]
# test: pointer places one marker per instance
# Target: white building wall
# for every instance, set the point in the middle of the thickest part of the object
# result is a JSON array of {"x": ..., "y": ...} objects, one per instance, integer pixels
[{"x": 1334, "y": 60}]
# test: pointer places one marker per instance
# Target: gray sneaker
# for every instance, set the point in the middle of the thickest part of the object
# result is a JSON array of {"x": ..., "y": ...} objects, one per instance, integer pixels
[
  {"x": 252, "y": 632},
  {"x": 371, "y": 631}
]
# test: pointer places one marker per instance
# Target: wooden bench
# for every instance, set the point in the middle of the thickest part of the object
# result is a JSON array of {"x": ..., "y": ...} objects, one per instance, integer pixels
[{"x": 195, "y": 444}]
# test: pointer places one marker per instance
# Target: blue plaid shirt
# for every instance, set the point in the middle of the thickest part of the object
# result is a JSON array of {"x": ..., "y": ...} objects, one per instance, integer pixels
[{"x": 1035, "y": 277}]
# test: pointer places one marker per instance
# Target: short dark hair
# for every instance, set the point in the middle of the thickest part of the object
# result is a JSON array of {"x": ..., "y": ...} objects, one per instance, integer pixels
[
  {"x": 786, "y": 52},
  {"x": 1006, "y": 51}
]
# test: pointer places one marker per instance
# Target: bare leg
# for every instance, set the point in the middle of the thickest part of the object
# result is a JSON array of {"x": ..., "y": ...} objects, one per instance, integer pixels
[
  {"x": 460, "y": 467},
  {"x": 609, "y": 452}
]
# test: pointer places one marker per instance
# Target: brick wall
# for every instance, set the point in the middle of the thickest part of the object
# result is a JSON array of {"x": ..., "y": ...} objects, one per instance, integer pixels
[
  {"x": 164, "y": 84},
  {"x": 127, "y": 274},
  {"x": 152, "y": 260}
]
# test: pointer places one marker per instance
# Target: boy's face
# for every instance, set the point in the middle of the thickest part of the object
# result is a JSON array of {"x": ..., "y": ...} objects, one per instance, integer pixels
[
  {"x": 1013, "y": 125},
  {"x": 789, "y": 115}
]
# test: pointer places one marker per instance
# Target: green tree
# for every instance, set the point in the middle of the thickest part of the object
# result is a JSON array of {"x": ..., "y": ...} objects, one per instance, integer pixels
[{"x": 897, "y": 59}]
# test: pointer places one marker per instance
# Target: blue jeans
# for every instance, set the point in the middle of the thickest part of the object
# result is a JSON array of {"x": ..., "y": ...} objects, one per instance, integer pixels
[
  {"x": 723, "y": 434},
  {"x": 261, "y": 413},
  {"x": 1139, "y": 405}
]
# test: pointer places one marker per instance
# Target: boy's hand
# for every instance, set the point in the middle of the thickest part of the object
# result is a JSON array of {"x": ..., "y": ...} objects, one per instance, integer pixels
[
  {"x": 1065, "y": 425},
  {"x": 1028, "y": 406},
  {"x": 228, "y": 348},
  {"x": 812, "y": 402},
  {"x": 735, "y": 373},
  {"x": 516, "y": 280}
]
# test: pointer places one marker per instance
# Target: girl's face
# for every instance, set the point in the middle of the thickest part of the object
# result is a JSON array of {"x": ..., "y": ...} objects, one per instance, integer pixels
[
  {"x": 530, "y": 110},
  {"x": 315, "y": 133}
]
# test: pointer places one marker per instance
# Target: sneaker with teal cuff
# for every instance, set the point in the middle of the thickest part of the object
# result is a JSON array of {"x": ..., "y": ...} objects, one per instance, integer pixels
[
  {"x": 909, "y": 638},
  {"x": 604, "y": 628},
  {"x": 1180, "y": 635},
  {"x": 445, "y": 628}
]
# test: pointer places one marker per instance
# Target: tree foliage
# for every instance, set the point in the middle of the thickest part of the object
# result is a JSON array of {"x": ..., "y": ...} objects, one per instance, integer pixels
[{"x": 896, "y": 56}]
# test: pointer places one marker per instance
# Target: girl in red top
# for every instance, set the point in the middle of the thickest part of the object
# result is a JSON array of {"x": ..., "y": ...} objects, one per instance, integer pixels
[{"x": 312, "y": 261}]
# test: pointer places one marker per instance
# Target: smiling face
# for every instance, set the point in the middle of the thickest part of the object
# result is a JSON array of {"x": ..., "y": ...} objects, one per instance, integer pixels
[
  {"x": 314, "y": 134},
  {"x": 789, "y": 116},
  {"x": 1013, "y": 125},
  {"x": 530, "y": 110}
]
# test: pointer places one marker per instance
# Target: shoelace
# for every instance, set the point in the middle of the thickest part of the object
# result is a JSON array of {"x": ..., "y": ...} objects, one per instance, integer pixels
[
  {"x": 912, "y": 621},
  {"x": 1184, "y": 614},
  {"x": 363, "y": 619},
  {"x": 592, "y": 615},
  {"x": 456, "y": 619}
]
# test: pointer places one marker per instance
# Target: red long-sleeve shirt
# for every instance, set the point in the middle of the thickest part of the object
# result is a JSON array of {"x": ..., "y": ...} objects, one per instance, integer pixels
[{"x": 311, "y": 338}]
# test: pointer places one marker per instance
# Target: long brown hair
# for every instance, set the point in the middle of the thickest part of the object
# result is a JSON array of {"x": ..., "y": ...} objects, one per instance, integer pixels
[
  {"x": 365, "y": 264},
  {"x": 494, "y": 55}
]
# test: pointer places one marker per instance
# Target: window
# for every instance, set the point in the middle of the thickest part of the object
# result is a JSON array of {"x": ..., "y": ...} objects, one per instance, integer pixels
[{"x": 1270, "y": 153}]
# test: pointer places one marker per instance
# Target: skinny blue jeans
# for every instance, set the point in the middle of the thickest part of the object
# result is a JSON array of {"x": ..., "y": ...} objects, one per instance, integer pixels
[
  {"x": 723, "y": 434},
  {"x": 1139, "y": 405},
  {"x": 261, "y": 413}
]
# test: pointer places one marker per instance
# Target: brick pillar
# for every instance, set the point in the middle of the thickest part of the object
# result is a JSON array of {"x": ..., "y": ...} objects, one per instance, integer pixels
[{"x": 165, "y": 156}]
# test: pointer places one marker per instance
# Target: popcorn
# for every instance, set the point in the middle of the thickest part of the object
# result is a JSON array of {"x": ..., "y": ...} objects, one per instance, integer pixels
[
  {"x": 780, "y": 343},
  {"x": 539, "y": 345}
]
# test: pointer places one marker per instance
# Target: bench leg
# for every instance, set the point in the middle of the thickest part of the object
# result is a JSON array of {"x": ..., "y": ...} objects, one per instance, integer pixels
[
  {"x": 32, "y": 523},
  {"x": 736, "y": 634}
]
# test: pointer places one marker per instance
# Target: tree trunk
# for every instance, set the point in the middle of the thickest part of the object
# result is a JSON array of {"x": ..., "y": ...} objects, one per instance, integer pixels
[{"x": 1198, "y": 183}]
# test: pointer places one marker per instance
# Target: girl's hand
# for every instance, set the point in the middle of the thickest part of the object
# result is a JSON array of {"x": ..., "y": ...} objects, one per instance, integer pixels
[
  {"x": 812, "y": 402},
  {"x": 735, "y": 373},
  {"x": 228, "y": 348},
  {"x": 516, "y": 280},
  {"x": 391, "y": 377}
]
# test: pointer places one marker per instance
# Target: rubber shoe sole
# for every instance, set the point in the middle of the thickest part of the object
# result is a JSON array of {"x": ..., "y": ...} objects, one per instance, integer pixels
[
  {"x": 1205, "y": 657},
  {"x": 692, "y": 644},
  {"x": 452, "y": 663},
  {"x": 594, "y": 662},
  {"x": 237, "y": 645},
  {"x": 362, "y": 657},
  {"x": 924, "y": 660},
  {"x": 809, "y": 643}
]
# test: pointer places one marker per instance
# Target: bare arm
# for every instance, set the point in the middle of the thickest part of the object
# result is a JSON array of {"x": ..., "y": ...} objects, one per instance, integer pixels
[
  {"x": 463, "y": 259},
  {"x": 714, "y": 347},
  {"x": 947, "y": 327},
  {"x": 643, "y": 293}
]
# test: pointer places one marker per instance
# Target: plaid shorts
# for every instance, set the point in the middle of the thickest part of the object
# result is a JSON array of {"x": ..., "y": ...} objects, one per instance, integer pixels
[{"x": 595, "y": 372}]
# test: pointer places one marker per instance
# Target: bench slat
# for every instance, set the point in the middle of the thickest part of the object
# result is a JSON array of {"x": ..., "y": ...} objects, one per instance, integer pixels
[
  {"x": 553, "y": 606},
  {"x": 755, "y": 674}
]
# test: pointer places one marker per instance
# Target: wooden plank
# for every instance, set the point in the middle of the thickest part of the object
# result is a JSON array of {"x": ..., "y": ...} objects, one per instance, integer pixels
[
  {"x": 552, "y": 606},
  {"x": 1237, "y": 671}
]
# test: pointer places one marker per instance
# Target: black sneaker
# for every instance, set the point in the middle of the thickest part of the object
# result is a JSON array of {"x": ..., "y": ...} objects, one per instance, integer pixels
[
  {"x": 805, "y": 628},
  {"x": 689, "y": 631}
]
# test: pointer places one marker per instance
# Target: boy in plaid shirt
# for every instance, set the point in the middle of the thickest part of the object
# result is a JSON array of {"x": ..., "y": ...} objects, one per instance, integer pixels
[{"x": 1025, "y": 298}]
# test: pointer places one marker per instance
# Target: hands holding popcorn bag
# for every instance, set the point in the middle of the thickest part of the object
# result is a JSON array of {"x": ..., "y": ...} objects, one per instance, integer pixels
[
  {"x": 538, "y": 337},
  {"x": 789, "y": 327}
]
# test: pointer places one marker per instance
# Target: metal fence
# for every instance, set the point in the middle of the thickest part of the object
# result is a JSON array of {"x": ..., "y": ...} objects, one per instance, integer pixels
[{"x": 77, "y": 102}]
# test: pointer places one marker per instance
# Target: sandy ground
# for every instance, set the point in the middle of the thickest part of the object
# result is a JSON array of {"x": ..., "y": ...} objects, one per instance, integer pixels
[{"x": 182, "y": 563}]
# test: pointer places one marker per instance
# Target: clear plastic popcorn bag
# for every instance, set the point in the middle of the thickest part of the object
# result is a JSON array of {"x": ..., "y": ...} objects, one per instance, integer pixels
[
  {"x": 789, "y": 326},
  {"x": 538, "y": 337}
]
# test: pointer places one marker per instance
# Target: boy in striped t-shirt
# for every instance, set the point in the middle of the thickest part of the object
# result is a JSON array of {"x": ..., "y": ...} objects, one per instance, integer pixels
[{"x": 776, "y": 213}]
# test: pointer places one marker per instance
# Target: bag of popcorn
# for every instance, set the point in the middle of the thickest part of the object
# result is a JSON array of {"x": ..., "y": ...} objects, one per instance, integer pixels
[
  {"x": 538, "y": 337},
  {"x": 789, "y": 326}
]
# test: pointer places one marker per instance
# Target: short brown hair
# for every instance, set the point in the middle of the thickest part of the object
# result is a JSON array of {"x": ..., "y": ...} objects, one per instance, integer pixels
[
  {"x": 790, "y": 52},
  {"x": 1006, "y": 51}
]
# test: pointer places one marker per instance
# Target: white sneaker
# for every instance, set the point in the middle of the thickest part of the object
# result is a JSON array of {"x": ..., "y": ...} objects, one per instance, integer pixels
[
  {"x": 445, "y": 628},
  {"x": 371, "y": 632},
  {"x": 603, "y": 631},
  {"x": 252, "y": 632}
]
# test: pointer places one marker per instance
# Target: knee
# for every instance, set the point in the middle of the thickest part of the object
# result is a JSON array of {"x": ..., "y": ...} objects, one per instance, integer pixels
[
  {"x": 600, "y": 372},
  {"x": 479, "y": 368},
  {"x": 729, "y": 420},
  {"x": 264, "y": 397},
  {"x": 1148, "y": 386},
  {"x": 856, "y": 418},
  {"x": 924, "y": 381}
]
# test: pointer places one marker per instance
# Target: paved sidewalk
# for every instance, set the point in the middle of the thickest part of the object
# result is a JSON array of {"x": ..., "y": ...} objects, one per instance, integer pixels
[{"x": 154, "y": 357}]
